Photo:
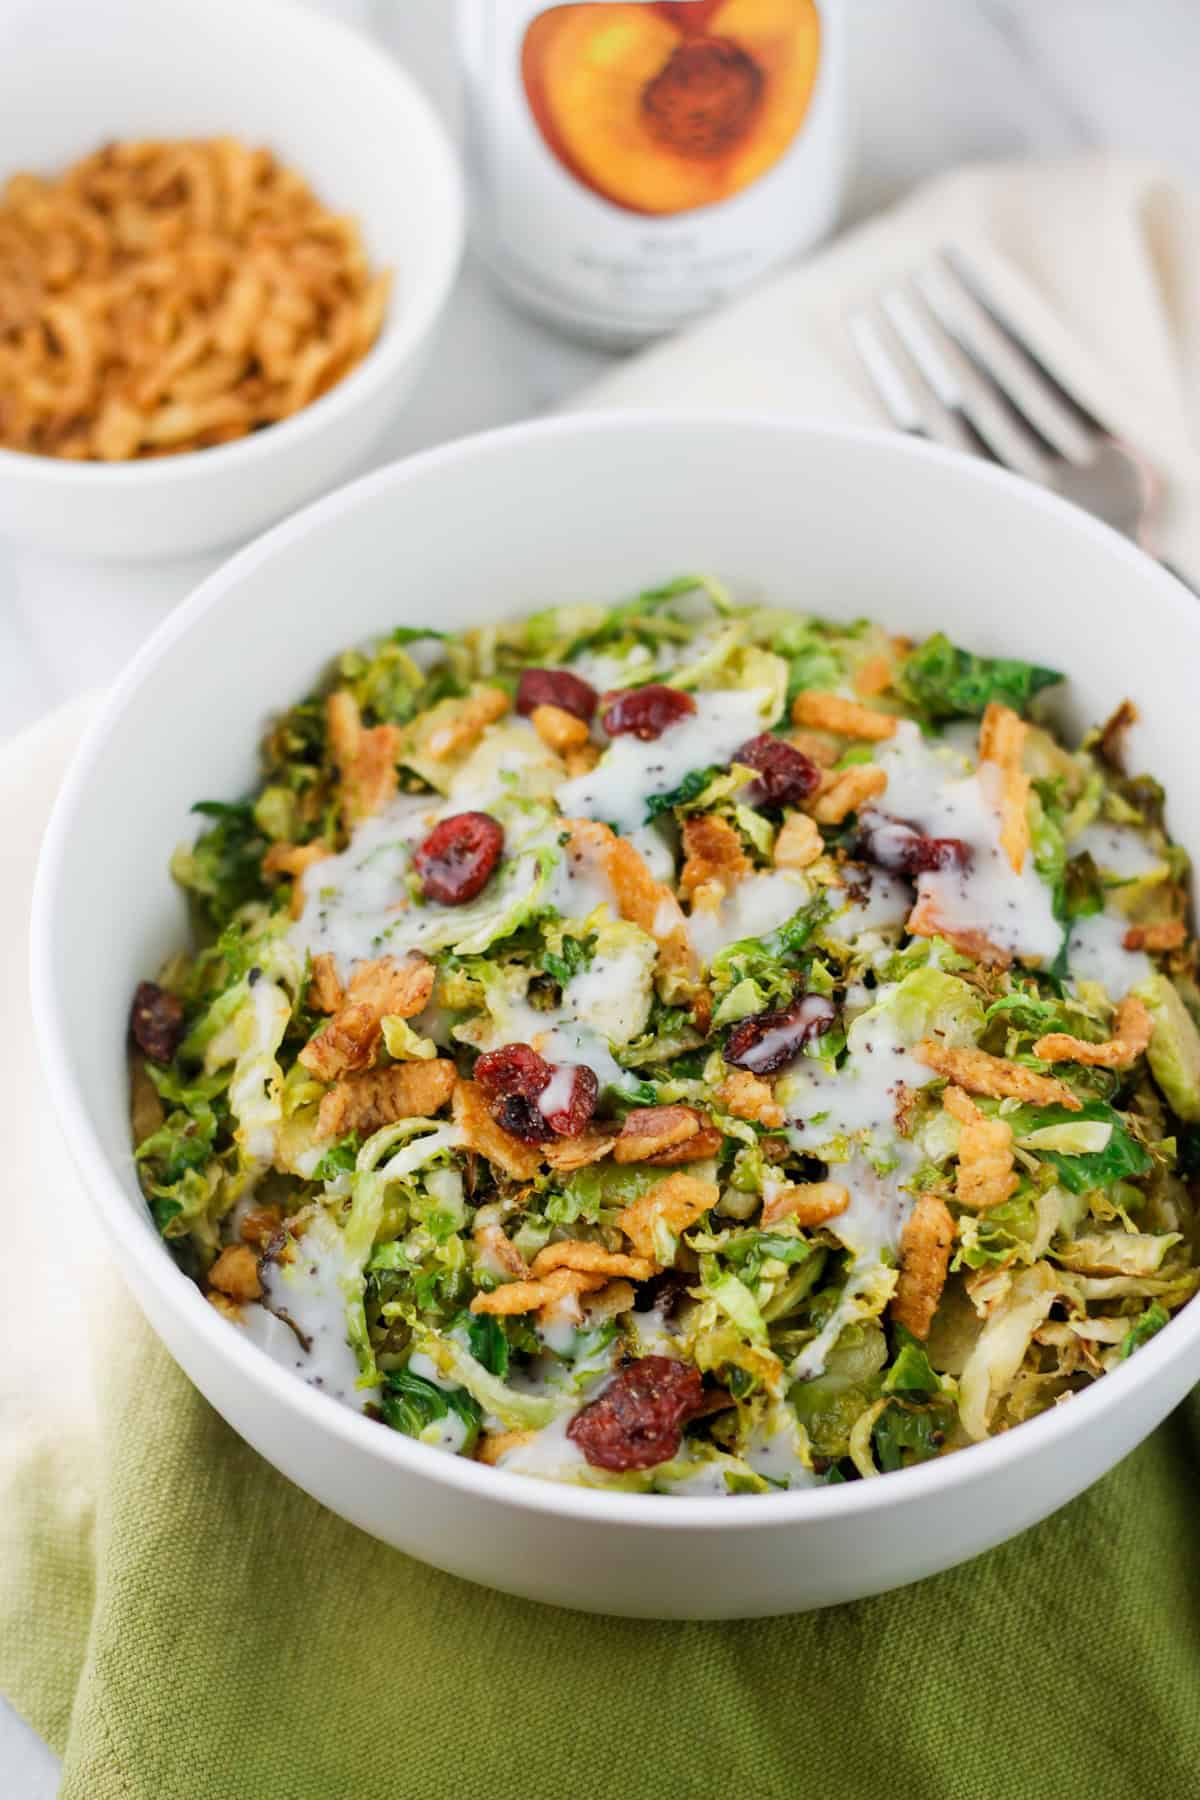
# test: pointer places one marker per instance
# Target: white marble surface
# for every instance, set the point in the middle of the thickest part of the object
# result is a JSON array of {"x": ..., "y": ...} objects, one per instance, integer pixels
[{"x": 936, "y": 82}]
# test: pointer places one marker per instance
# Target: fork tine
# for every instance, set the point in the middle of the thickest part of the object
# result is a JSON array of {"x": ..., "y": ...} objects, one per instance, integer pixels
[
  {"x": 1066, "y": 421},
  {"x": 902, "y": 386},
  {"x": 891, "y": 381},
  {"x": 967, "y": 392}
]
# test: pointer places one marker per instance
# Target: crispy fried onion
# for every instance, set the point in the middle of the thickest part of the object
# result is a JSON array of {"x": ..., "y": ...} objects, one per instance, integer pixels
[
  {"x": 365, "y": 758},
  {"x": 546, "y": 1292},
  {"x": 848, "y": 718},
  {"x": 647, "y": 903},
  {"x": 994, "y": 1076},
  {"x": 482, "y": 1134},
  {"x": 925, "y": 1246},
  {"x": 1132, "y": 1029},
  {"x": 673, "y": 1204},
  {"x": 1002, "y": 745},
  {"x": 591, "y": 1259},
  {"x": 985, "y": 1154}
]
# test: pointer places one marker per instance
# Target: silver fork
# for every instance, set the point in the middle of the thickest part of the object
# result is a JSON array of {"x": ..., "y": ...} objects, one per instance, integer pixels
[{"x": 949, "y": 367}]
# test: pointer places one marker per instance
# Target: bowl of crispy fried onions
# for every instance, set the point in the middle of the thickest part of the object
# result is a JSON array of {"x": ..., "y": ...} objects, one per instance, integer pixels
[{"x": 226, "y": 235}]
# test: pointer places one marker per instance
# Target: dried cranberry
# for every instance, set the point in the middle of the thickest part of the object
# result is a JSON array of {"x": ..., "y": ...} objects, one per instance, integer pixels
[
  {"x": 522, "y": 1118},
  {"x": 513, "y": 1069},
  {"x": 765, "y": 1042},
  {"x": 556, "y": 687},
  {"x": 512, "y": 1079},
  {"x": 534, "y": 1099},
  {"x": 786, "y": 775},
  {"x": 156, "y": 1021},
  {"x": 645, "y": 712},
  {"x": 899, "y": 847},
  {"x": 638, "y": 1419},
  {"x": 568, "y": 1111},
  {"x": 458, "y": 857}
]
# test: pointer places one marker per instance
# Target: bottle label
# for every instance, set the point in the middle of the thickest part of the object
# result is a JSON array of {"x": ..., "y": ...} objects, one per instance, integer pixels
[{"x": 639, "y": 161}]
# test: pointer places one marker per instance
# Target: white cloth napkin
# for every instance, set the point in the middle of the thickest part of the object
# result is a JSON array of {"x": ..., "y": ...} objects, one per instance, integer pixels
[
  {"x": 1095, "y": 259},
  {"x": 1098, "y": 259}
]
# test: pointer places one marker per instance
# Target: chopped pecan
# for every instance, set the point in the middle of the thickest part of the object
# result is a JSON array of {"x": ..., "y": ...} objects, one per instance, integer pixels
[
  {"x": 468, "y": 723},
  {"x": 259, "y": 1225},
  {"x": 559, "y": 730},
  {"x": 676, "y": 1203},
  {"x": 1132, "y": 1029},
  {"x": 1163, "y": 934},
  {"x": 713, "y": 853},
  {"x": 830, "y": 712},
  {"x": 706, "y": 1143},
  {"x": 799, "y": 842},
  {"x": 377, "y": 990},
  {"x": 846, "y": 791},
  {"x": 564, "y": 1154},
  {"x": 925, "y": 1246},
  {"x": 808, "y": 1202},
  {"x": 376, "y": 1097},
  {"x": 652, "y": 1129},
  {"x": 748, "y": 1096},
  {"x": 235, "y": 1273}
]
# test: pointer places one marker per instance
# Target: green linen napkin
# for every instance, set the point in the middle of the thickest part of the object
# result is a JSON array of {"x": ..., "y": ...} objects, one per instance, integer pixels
[
  {"x": 183, "y": 1624},
  {"x": 244, "y": 1644}
]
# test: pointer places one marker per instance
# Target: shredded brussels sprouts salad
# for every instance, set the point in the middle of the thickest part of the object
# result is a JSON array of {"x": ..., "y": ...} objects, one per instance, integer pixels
[{"x": 681, "y": 1046}]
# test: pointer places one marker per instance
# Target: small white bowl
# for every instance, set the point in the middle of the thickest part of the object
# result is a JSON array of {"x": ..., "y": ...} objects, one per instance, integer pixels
[
  {"x": 78, "y": 73},
  {"x": 591, "y": 508}
]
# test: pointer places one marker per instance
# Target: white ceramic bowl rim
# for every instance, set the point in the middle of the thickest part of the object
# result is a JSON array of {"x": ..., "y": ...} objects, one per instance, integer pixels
[
  {"x": 306, "y": 1404},
  {"x": 415, "y": 303}
]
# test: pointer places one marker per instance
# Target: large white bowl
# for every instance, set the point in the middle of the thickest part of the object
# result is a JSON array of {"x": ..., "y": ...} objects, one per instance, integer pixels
[
  {"x": 590, "y": 508},
  {"x": 75, "y": 74}
]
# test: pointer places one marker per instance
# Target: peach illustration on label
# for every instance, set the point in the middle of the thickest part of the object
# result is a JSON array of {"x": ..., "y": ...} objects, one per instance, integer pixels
[{"x": 665, "y": 108}]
